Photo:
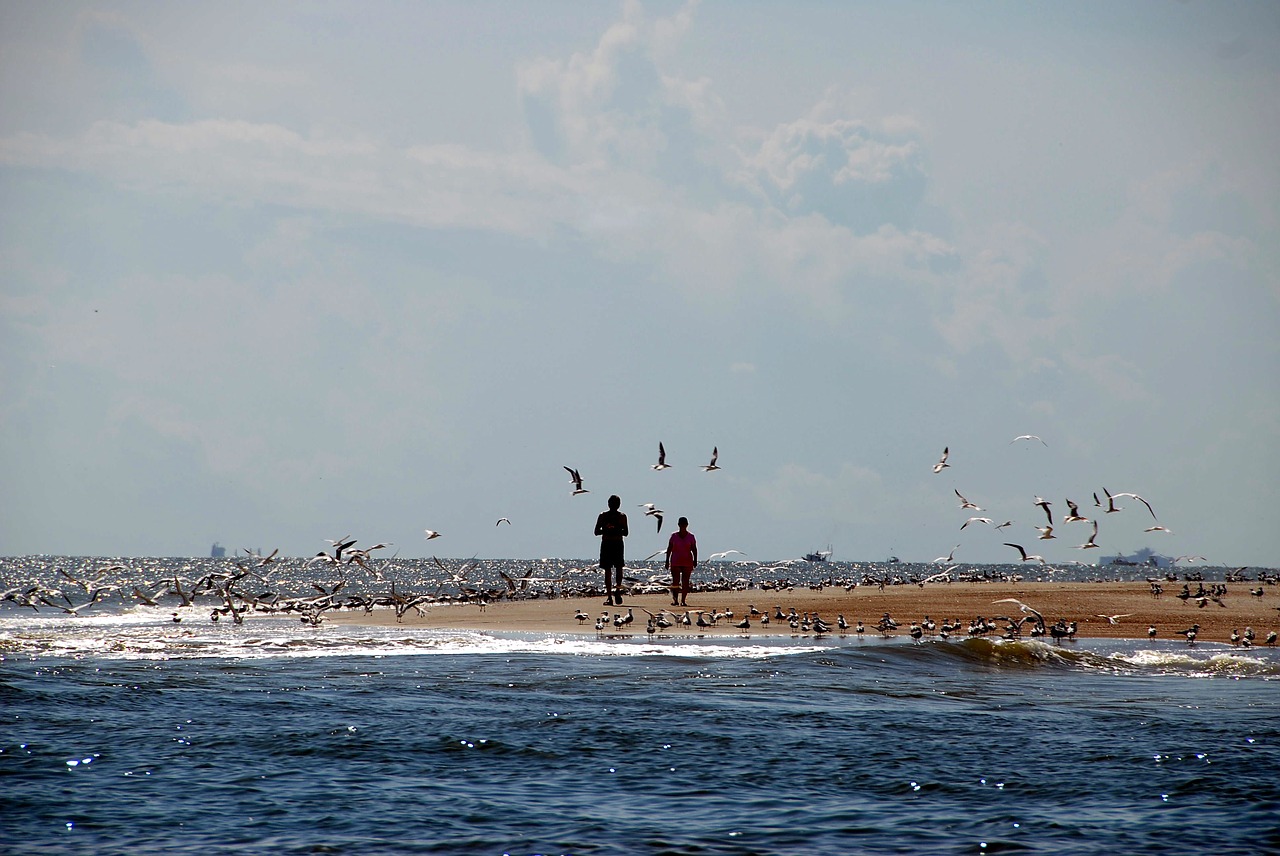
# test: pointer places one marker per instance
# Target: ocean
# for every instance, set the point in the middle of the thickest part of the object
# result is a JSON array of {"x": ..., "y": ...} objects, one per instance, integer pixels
[{"x": 122, "y": 731}]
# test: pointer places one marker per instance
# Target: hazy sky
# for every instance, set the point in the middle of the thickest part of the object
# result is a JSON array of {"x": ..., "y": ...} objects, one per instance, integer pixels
[{"x": 275, "y": 273}]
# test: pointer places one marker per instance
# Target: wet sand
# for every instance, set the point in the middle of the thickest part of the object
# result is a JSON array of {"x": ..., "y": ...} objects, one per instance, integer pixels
[{"x": 1083, "y": 603}]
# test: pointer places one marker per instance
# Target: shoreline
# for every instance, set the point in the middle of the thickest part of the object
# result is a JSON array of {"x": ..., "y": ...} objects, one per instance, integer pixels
[{"x": 1132, "y": 604}]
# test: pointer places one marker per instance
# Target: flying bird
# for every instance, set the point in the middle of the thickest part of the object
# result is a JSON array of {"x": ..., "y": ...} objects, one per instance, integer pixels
[
  {"x": 1025, "y": 557},
  {"x": 975, "y": 520},
  {"x": 947, "y": 559},
  {"x": 964, "y": 503},
  {"x": 1091, "y": 543},
  {"x": 662, "y": 459},
  {"x": 1044, "y": 503},
  {"x": 1114, "y": 619},
  {"x": 715, "y": 453},
  {"x": 1027, "y": 437},
  {"x": 503, "y": 520},
  {"x": 431, "y": 533},
  {"x": 1112, "y": 497},
  {"x": 942, "y": 462},
  {"x": 576, "y": 480},
  {"x": 1073, "y": 514}
]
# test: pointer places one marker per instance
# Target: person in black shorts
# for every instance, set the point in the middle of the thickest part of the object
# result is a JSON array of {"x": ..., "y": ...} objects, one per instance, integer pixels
[{"x": 611, "y": 526}]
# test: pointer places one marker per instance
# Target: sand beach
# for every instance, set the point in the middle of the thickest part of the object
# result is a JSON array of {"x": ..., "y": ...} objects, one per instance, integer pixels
[{"x": 1089, "y": 604}]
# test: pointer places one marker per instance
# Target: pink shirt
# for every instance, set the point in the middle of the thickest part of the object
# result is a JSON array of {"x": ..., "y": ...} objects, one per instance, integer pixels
[{"x": 680, "y": 549}]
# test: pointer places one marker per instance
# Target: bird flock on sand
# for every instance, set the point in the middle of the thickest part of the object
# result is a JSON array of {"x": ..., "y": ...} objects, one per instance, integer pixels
[{"x": 245, "y": 588}]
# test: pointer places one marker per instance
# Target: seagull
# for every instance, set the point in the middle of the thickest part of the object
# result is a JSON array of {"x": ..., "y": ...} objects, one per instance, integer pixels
[
  {"x": 651, "y": 510},
  {"x": 975, "y": 520},
  {"x": 1091, "y": 543},
  {"x": 1073, "y": 514},
  {"x": 1027, "y": 437},
  {"x": 715, "y": 453},
  {"x": 714, "y": 556},
  {"x": 1044, "y": 503},
  {"x": 431, "y": 533},
  {"x": 943, "y": 560},
  {"x": 1151, "y": 631},
  {"x": 1158, "y": 529},
  {"x": 1003, "y": 525},
  {"x": 1046, "y": 532},
  {"x": 964, "y": 503},
  {"x": 1025, "y": 557},
  {"x": 1115, "y": 619},
  {"x": 577, "y": 481},
  {"x": 502, "y": 520},
  {"x": 942, "y": 462},
  {"x": 1134, "y": 496},
  {"x": 662, "y": 459}
]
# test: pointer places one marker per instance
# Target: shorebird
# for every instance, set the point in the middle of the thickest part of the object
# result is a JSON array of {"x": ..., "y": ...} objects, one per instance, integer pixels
[
  {"x": 1005, "y": 524},
  {"x": 964, "y": 503},
  {"x": 1027, "y": 437},
  {"x": 1151, "y": 632},
  {"x": 1091, "y": 543},
  {"x": 1073, "y": 514},
  {"x": 974, "y": 520},
  {"x": 1044, "y": 503},
  {"x": 1190, "y": 633},
  {"x": 581, "y": 616},
  {"x": 942, "y": 462},
  {"x": 1046, "y": 532},
  {"x": 1158, "y": 528},
  {"x": 1025, "y": 557},
  {"x": 715, "y": 453},
  {"x": 576, "y": 480},
  {"x": 744, "y": 624},
  {"x": 662, "y": 459},
  {"x": 431, "y": 533},
  {"x": 651, "y": 510},
  {"x": 721, "y": 555},
  {"x": 947, "y": 559},
  {"x": 1111, "y": 497},
  {"x": 502, "y": 520},
  {"x": 1115, "y": 619}
]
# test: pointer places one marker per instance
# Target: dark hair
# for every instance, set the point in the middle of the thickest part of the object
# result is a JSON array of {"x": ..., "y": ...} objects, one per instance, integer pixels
[
  {"x": 683, "y": 521},
  {"x": 615, "y": 501}
]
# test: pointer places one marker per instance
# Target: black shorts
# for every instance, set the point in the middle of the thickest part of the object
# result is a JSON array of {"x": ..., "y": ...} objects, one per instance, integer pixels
[{"x": 611, "y": 554}]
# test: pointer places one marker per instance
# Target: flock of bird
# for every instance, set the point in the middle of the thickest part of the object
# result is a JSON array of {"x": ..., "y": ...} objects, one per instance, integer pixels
[{"x": 1073, "y": 514}]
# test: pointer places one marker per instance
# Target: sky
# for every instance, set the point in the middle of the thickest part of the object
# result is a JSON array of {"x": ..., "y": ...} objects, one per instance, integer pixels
[{"x": 274, "y": 274}]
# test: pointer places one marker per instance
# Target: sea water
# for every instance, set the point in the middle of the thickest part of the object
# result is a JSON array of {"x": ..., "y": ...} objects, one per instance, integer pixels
[{"x": 122, "y": 731}]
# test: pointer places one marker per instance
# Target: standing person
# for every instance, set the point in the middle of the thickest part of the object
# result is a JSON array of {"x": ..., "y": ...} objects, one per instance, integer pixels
[
  {"x": 682, "y": 558},
  {"x": 611, "y": 526}
]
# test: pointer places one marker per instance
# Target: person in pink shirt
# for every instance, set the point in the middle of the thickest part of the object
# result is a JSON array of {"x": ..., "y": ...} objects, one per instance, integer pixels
[{"x": 682, "y": 558}]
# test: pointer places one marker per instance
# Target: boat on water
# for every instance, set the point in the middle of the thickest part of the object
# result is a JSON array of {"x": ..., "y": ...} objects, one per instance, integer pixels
[{"x": 818, "y": 555}]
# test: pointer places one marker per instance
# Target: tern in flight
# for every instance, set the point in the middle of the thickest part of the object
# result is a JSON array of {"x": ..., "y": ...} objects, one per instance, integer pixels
[
  {"x": 964, "y": 503},
  {"x": 715, "y": 453},
  {"x": 1027, "y": 437},
  {"x": 1025, "y": 557},
  {"x": 942, "y": 462},
  {"x": 576, "y": 480},
  {"x": 662, "y": 459}
]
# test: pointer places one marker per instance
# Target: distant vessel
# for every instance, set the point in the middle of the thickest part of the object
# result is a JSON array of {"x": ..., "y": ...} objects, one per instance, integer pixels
[
  {"x": 217, "y": 551},
  {"x": 818, "y": 555}
]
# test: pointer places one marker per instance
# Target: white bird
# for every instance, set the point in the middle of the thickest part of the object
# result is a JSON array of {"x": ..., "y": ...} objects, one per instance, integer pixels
[
  {"x": 964, "y": 503},
  {"x": 431, "y": 533},
  {"x": 943, "y": 560},
  {"x": 662, "y": 459},
  {"x": 1025, "y": 556},
  {"x": 1158, "y": 529},
  {"x": 942, "y": 462},
  {"x": 1044, "y": 503},
  {"x": 1091, "y": 543},
  {"x": 723, "y": 554},
  {"x": 975, "y": 520},
  {"x": 1027, "y": 437},
  {"x": 576, "y": 480},
  {"x": 715, "y": 453},
  {"x": 1073, "y": 514},
  {"x": 1115, "y": 619},
  {"x": 651, "y": 510},
  {"x": 1112, "y": 497}
]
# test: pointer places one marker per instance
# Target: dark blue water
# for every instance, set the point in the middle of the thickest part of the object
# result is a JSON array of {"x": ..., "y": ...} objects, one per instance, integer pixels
[{"x": 122, "y": 732}]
